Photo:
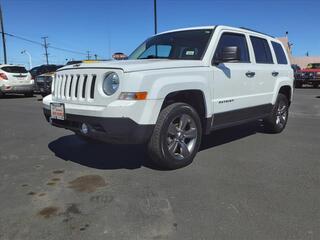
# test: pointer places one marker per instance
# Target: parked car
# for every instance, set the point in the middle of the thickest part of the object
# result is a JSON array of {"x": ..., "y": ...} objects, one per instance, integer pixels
[
  {"x": 36, "y": 71},
  {"x": 43, "y": 83},
  {"x": 15, "y": 79},
  {"x": 175, "y": 87},
  {"x": 309, "y": 75}
]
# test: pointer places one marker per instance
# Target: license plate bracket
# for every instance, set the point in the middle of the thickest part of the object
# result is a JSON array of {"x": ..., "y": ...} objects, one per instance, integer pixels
[{"x": 58, "y": 111}]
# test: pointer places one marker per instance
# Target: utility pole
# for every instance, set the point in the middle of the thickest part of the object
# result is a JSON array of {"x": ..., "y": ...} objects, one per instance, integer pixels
[
  {"x": 155, "y": 17},
  {"x": 88, "y": 55},
  {"x": 46, "y": 45},
  {"x": 3, "y": 37}
]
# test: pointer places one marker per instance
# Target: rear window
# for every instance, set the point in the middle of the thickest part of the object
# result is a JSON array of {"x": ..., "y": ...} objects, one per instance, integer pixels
[
  {"x": 281, "y": 56},
  {"x": 14, "y": 69},
  {"x": 261, "y": 49}
]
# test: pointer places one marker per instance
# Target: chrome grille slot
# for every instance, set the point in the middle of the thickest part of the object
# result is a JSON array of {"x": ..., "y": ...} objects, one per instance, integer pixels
[
  {"x": 84, "y": 86},
  {"x": 76, "y": 87},
  {"x": 93, "y": 83},
  {"x": 70, "y": 86},
  {"x": 65, "y": 86}
]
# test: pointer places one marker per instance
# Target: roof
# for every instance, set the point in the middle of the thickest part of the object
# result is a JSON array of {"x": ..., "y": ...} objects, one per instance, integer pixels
[{"x": 242, "y": 29}]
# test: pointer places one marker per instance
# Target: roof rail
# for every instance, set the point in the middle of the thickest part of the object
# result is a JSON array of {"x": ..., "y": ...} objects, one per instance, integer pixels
[{"x": 256, "y": 31}]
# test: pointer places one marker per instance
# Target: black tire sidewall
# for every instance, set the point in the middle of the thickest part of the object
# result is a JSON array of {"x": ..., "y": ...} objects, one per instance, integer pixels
[{"x": 170, "y": 161}]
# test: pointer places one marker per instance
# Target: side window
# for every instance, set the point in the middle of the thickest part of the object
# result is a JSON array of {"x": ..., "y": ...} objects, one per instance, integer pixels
[
  {"x": 233, "y": 39},
  {"x": 281, "y": 56},
  {"x": 261, "y": 49}
]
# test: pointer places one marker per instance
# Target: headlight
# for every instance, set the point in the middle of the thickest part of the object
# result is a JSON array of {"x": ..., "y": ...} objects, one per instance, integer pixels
[{"x": 110, "y": 83}]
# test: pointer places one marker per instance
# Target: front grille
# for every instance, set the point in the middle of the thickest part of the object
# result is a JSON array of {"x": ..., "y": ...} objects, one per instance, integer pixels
[{"x": 74, "y": 86}]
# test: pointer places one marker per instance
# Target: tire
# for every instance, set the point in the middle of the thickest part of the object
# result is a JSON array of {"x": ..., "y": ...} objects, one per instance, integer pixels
[
  {"x": 169, "y": 146},
  {"x": 29, "y": 94},
  {"x": 277, "y": 120},
  {"x": 315, "y": 85}
]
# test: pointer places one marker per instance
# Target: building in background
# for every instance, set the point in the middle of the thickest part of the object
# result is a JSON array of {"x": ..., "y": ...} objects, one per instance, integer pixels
[{"x": 301, "y": 61}]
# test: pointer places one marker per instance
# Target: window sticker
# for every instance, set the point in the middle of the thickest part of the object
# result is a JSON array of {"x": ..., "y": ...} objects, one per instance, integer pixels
[{"x": 189, "y": 53}]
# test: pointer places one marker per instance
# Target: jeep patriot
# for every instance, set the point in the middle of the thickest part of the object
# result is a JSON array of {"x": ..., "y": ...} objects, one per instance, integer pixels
[{"x": 175, "y": 87}]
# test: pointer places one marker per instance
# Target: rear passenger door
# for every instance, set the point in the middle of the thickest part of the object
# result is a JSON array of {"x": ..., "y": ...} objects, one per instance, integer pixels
[{"x": 265, "y": 71}]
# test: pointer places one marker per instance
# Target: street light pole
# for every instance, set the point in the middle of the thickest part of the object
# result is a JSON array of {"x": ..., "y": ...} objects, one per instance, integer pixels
[
  {"x": 29, "y": 55},
  {"x": 155, "y": 17}
]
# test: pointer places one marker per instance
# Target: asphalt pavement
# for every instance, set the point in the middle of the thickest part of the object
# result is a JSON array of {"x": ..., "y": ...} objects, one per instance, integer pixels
[{"x": 243, "y": 184}]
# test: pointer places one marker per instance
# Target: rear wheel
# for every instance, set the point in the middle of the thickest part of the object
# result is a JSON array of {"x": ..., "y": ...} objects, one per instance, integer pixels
[
  {"x": 277, "y": 121},
  {"x": 176, "y": 137}
]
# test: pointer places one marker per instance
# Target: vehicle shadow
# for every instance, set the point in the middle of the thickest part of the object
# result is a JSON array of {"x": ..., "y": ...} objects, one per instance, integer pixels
[
  {"x": 110, "y": 156},
  {"x": 14, "y": 96}
]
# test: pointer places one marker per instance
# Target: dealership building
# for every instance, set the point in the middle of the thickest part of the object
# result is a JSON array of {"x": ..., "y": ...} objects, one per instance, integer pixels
[{"x": 301, "y": 61}]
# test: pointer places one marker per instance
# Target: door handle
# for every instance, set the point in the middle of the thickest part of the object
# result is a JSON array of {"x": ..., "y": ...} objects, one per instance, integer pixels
[
  {"x": 274, "y": 73},
  {"x": 250, "y": 74}
]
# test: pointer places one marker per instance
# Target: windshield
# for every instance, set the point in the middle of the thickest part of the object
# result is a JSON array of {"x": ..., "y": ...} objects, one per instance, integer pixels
[
  {"x": 14, "y": 69},
  {"x": 313, "y": 65},
  {"x": 187, "y": 45}
]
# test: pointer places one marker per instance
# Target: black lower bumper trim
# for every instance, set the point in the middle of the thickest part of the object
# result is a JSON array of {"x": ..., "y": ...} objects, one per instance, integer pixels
[{"x": 112, "y": 130}]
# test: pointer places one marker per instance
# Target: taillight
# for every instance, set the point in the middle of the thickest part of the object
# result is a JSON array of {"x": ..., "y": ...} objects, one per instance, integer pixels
[{"x": 3, "y": 76}]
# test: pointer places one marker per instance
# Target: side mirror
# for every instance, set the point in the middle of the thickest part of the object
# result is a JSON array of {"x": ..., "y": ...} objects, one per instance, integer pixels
[{"x": 228, "y": 54}]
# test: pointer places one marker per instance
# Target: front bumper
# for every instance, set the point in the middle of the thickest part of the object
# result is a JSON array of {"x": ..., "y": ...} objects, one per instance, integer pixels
[
  {"x": 111, "y": 130},
  {"x": 43, "y": 87},
  {"x": 17, "y": 89}
]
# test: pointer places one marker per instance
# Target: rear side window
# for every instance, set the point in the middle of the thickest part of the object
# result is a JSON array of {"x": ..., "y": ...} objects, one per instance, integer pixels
[
  {"x": 261, "y": 50},
  {"x": 232, "y": 39},
  {"x": 281, "y": 56},
  {"x": 14, "y": 69}
]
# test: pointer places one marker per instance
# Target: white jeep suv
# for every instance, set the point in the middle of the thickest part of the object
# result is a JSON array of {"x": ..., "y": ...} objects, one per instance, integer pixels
[{"x": 175, "y": 87}]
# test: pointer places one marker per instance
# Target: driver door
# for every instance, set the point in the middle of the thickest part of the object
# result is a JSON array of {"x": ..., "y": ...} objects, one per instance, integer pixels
[{"x": 232, "y": 81}]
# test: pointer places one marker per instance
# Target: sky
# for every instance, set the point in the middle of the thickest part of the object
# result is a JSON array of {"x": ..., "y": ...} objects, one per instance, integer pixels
[{"x": 107, "y": 26}]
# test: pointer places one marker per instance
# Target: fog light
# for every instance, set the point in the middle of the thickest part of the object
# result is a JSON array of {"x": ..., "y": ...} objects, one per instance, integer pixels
[{"x": 84, "y": 128}]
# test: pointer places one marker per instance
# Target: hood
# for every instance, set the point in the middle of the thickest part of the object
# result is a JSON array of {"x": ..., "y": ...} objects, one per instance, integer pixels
[{"x": 139, "y": 65}]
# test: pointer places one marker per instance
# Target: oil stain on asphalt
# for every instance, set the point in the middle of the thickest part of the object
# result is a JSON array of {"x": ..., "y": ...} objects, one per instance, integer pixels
[
  {"x": 88, "y": 183},
  {"x": 48, "y": 212}
]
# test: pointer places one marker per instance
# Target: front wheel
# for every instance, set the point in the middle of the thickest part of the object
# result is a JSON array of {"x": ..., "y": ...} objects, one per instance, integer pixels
[
  {"x": 176, "y": 137},
  {"x": 277, "y": 120}
]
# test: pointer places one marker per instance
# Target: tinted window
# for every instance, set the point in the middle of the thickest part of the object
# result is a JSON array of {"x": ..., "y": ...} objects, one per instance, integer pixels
[
  {"x": 281, "y": 56},
  {"x": 14, "y": 69},
  {"x": 190, "y": 44},
  {"x": 262, "y": 50},
  {"x": 231, "y": 39},
  {"x": 162, "y": 51}
]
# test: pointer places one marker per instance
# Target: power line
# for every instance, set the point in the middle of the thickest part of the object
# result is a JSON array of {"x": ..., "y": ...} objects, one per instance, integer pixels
[{"x": 41, "y": 44}]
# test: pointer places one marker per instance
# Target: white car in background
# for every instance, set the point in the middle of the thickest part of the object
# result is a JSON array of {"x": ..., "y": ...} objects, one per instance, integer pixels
[{"x": 15, "y": 79}]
